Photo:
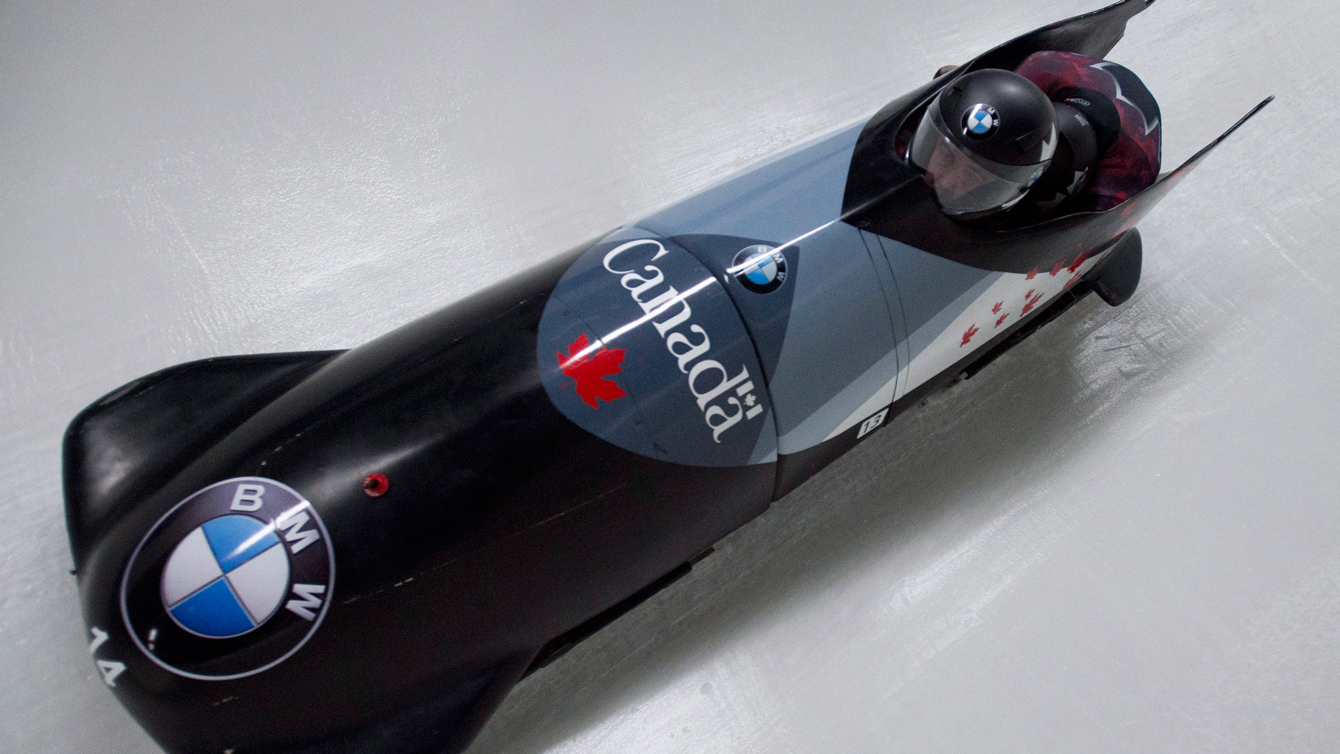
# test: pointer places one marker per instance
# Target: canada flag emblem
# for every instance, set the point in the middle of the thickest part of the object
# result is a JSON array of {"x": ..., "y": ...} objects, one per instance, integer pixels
[{"x": 591, "y": 369}]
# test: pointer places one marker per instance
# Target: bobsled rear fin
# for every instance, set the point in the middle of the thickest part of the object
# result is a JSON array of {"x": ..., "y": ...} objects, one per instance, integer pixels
[
  {"x": 1187, "y": 166},
  {"x": 1092, "y": 34},
  {"x": 129, "y": 442},
  {"x": 1140, "y": 204}
]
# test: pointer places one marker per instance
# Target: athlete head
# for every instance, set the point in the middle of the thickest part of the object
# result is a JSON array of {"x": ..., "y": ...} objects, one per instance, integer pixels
[
  {"x": 984, "y": 142},
  {"x": 1089, "y": 124}
]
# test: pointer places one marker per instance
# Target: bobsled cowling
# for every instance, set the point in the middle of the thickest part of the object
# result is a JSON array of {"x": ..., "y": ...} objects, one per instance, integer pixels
[
  {"x": 541, "y": 456},
  {"x": 505, "y": 526}
]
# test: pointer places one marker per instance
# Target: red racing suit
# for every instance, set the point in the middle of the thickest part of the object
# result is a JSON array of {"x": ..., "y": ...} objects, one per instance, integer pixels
[{"x": 1131, "y": 164}]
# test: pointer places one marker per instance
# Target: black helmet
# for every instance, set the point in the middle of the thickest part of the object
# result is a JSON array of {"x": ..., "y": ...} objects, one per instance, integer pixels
[
  {"x": 1076, "y": 157},
  {"x": 984, "y": 141}
]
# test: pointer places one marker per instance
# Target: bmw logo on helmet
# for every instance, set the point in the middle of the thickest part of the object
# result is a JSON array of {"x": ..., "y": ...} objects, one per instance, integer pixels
[
  {"x": 231, "y": 581},
  {"x": 761, "y": 269},
  {"x": 981, "y": 121}
]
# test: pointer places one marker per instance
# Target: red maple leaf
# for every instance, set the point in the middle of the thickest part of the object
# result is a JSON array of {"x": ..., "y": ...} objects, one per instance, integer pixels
[
  {"x": 590, "y": 370},
  {"x": 967, "y": 336},
  {"x": 1032, "y": 302},
  {"x": 1081, "y": 259},
  {"x": 1057, "y": 269},
  {"x": 1002, "y": 319},
  {"x": 996, "y": 309},
  {"x": 1031, "y": 274}
]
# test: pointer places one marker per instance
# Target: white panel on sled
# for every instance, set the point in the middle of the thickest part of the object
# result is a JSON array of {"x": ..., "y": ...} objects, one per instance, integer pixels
[{"x": 1121, "y": 537}]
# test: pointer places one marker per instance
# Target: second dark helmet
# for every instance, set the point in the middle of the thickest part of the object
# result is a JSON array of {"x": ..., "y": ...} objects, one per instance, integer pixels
[{"x": 984, "y": 141}]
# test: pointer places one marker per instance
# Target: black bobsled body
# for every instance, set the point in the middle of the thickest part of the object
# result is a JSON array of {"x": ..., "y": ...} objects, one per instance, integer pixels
[
  {"x": 362, "y": 551},
  {"x": 504, "y": 527}
]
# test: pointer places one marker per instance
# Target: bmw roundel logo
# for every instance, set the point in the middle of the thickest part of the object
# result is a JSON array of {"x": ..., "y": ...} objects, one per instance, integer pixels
[
  {"x": 232, "y": 581},
  {"x": 981, "y": 121},
  {"x": 760, "y": 268}
]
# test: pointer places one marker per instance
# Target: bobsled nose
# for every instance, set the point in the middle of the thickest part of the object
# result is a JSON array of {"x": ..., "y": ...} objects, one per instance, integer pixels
[
  {"x": 202, "y": 580},
  {"x": 123, "y": 447},
  {"x": 244, "y": 591}
]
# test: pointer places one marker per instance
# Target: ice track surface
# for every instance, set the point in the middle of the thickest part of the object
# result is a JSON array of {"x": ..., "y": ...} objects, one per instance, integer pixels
[{"x": 1123, "y": 536}]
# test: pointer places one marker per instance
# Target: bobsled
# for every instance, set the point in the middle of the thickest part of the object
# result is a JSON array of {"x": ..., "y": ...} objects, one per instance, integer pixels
[{"x": 364, "y": 550}]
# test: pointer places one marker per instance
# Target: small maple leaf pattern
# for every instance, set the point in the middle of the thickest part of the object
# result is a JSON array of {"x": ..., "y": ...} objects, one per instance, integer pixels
[
  {"x": 1033, "y": 299},
  {"x": 590, "y": 371},
  {"x": 1002, "y": 319},
  {"x": 1057, "y": 269},
  {"x": 1031, "y": 274},
  {"x": 996, "y": 309},
  {"x": 1079, "y": 262},
  {"x": 967, "y": 336}
]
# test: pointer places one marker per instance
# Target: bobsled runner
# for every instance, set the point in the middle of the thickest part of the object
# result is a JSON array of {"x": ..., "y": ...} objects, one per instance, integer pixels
[{"x": 364, "y": 550}]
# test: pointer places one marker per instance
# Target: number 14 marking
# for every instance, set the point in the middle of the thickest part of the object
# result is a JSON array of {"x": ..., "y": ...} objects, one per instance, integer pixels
[{"x": 109, "y": 669}]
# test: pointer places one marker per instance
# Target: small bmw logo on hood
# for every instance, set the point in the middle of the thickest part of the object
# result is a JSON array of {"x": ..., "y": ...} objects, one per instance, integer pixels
[
  {"x": 761, "y": 269},
  {"x": 232, "y": 581},
  {"x": 981, "y": 121}
]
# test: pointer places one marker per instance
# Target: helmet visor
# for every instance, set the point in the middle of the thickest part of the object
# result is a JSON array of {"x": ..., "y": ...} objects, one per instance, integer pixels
[{"x": 964, "y": 183}]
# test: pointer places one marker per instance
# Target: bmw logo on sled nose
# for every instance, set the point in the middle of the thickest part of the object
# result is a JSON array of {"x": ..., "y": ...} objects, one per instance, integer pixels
[
  {"x": 232, "y": 581},
  {"x": 981, "y": 121},
  {"x": 226, "y": 578},
  {"x": 761, "y": 269}
]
